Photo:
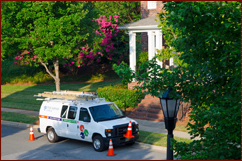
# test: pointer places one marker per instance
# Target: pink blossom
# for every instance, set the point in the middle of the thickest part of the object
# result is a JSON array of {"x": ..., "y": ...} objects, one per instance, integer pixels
[
  {"x": 27, "y": 52},
  {"x": 69, "y": 64},
  {"x": 79, "y": 66},
  {"x": 35, "y": 57},
  {"x": 16, "y": 58},
  {"x": 72, "y": 62},
  {"x": 65, "y": 64},
  {"x": 115, "y": 34},
  {"x": 15, "y": 62},
  {"x": 117, "y": 31},
  {"x": 110, "y": 17}
]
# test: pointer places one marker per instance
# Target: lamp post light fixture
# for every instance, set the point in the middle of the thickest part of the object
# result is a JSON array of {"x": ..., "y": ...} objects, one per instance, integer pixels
[{"x": 170, "y": 108}]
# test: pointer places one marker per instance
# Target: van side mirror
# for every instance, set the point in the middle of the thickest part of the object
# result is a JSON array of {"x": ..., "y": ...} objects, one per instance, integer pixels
[
  {"x": 123, "y": 112},
  {"x": 86, "y": 119}
]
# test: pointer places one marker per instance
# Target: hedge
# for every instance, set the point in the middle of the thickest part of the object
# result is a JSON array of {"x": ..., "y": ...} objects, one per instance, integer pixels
[{"x": 118, "y": 94}]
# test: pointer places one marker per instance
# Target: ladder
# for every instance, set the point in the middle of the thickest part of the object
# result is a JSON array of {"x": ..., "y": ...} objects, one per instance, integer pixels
[{"x": 73, "y": 95}]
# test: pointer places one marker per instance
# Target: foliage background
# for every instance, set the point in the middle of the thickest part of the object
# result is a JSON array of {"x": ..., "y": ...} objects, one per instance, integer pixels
[
  {"x": 68, "y": 66},
  {"x": 206, "y": 36}
]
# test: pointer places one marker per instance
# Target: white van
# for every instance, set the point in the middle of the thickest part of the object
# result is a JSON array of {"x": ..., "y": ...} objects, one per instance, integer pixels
[{"x": 66, "y": 114}]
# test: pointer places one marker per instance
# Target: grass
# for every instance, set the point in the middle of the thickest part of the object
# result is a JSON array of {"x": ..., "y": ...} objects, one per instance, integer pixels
[
  {"x": 22, "y": 97},
  {"x": 17, "y": 117},
  {"x": 15, "y": 74},
  {"x": 181, "y": 128},
  {"x": 158, "y": 139}
]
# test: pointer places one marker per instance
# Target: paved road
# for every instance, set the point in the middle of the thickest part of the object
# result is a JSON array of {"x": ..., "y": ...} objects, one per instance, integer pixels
[{"x": 15, "y": 146}]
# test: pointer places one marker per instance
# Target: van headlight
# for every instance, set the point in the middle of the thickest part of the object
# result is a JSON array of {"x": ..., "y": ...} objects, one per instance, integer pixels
[{"x": 108, "y": 132}]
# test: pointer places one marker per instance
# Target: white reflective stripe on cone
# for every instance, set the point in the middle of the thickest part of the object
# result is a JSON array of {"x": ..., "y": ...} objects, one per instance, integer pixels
[
  {"x": 31, "y": 132},
  {"x": 129, "y": 128}
]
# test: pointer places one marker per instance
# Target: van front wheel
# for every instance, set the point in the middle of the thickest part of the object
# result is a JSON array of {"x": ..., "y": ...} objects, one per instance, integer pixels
[
  {"x": 98, "y": 143},
  {"x": 52, "y": 136}
]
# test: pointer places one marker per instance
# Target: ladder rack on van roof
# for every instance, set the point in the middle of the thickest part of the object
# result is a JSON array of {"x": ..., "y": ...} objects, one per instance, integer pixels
[{"x": 73, "y": 95}]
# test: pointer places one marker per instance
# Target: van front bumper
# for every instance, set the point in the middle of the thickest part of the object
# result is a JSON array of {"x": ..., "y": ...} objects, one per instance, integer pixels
[{"x": 121, "y": 140}]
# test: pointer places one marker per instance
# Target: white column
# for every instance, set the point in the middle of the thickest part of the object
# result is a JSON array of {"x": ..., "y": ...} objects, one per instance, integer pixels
[
  {"x": 159, "y": 43},
  {"x": 132, "y": 50},
  {"x": 172, "y": 61},
  {"x": 151, "y": 46}
]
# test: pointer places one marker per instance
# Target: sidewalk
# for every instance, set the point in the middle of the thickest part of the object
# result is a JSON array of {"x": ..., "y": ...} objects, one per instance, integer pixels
[{"x": 144, "y": 125}]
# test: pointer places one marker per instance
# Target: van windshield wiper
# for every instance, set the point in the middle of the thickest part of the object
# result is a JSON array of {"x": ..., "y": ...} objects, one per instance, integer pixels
[{"x": 101, "y": 119}]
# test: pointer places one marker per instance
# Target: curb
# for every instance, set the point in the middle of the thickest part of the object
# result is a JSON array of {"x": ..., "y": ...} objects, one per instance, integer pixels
[{"x": 18, "y": 124}]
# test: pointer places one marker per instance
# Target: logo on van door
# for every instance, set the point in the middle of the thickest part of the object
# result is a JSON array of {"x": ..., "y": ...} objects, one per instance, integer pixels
[{"x": 84, "y": 132}]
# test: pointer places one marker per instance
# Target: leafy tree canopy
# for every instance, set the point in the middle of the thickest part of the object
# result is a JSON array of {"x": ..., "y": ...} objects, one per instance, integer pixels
[
  {"x": 207, "y": 37},
  {"x": 128, "y": 11},
  {"x": 47, "y": 32}
]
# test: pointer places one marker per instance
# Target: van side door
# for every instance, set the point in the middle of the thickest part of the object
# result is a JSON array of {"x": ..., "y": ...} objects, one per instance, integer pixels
[
  {"x": 86, "y": 125},
  {"x": 71, "y": 123},
  {"x": 62, "y": 126}
]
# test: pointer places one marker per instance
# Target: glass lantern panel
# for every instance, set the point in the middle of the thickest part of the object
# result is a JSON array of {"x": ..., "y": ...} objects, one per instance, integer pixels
[
  {"x": 163, "y": 103},
  {"x": 171, "y": 107},
  {"x": 177, "y": 106}
]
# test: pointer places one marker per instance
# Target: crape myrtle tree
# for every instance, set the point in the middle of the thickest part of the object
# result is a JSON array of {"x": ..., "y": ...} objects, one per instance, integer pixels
[
  {"x": 113, "y": 48},
  {"x": 48, "y": 32},
  {"x": 107, "y": 49},
  {"x": 207, "y": 37},
  {"x": 126, "y": 11}
]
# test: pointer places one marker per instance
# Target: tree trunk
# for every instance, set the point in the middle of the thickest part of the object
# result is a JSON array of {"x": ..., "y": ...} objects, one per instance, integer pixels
[{"x": 57, "y": 77}]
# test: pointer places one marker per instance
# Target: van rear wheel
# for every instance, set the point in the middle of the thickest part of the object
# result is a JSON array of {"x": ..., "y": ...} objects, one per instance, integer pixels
[
  {"x": 98, "y": 143},
  {"x": 52, "y": 136}
]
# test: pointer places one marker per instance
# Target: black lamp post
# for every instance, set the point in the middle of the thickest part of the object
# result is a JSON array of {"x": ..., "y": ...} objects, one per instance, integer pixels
[{"x": 170, "y": 108}]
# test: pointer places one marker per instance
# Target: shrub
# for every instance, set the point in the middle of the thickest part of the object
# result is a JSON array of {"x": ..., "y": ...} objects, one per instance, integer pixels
[{"x": 119, "y": 95}]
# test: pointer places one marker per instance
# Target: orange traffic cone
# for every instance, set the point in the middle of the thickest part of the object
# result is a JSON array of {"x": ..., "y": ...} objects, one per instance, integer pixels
[
  {"x": 110, "y": 150},
  {"x": 31, "y": 135},
  {"x": 128, "y": 134}
]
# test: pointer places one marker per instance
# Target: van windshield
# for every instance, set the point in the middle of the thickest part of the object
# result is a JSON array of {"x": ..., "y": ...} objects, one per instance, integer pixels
[{"x": 106, "y": 112}]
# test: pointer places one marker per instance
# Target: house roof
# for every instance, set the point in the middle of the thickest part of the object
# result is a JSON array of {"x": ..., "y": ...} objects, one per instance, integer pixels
[{"x": 146, "y": 23}]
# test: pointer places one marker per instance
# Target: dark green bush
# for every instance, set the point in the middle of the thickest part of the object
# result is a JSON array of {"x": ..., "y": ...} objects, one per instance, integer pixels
[{"x": 119, "y": 94}]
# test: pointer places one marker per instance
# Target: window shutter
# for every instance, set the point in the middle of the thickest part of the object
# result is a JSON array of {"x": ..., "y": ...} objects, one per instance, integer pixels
[{"x": 151, "y": 4}]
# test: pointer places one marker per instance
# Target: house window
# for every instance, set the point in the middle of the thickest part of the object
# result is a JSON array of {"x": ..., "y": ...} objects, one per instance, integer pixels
[{"x": 151, "y": 4}]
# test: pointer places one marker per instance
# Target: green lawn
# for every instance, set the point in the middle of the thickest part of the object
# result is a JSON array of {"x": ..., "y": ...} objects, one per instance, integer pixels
[
  {"x": 158, "y": 139},
  {"x": 181, "y": 128},
  {"x": 22, "y": 96},
  {"x": 18, "y": 117}
]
